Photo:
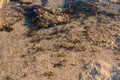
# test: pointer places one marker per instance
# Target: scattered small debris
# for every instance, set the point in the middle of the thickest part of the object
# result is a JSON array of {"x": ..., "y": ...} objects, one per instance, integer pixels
[{"x": 49, "y": 73}]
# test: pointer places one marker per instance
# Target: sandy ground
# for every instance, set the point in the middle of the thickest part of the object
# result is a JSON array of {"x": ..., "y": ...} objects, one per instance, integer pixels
[
  {"x": 64, "y": 52},
  {"x": 21, "y": 59}
]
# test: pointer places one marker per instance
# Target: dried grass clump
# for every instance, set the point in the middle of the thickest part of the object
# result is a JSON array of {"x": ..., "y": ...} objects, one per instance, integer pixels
[
  {"x": 49, "y": 73},
  {"x": 43, "y": 17},
  {"x": 62, "y": 63}
]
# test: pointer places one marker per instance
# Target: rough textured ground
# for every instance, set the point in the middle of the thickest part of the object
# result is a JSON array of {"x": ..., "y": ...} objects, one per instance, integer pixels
[{"x": 87, "y": 48}]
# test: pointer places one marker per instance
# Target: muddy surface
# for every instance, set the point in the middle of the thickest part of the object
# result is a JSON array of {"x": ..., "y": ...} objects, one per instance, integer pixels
[{"x": 86, "y": 48}]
